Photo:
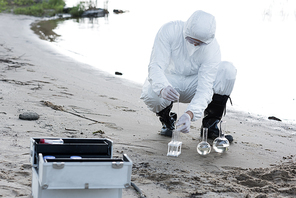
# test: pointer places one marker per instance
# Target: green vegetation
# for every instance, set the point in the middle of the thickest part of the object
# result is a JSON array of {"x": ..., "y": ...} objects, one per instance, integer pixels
[
  {"x": 30, "y": 7},
  {"x": 77, "y": 10},
  {"x": 3, "y": 4},
  {"x": 23, "y": 2},
  {"x": 45, "y": 7},
  {"x": 34, "y": 10},
  {"x": 50, "y": 8}
]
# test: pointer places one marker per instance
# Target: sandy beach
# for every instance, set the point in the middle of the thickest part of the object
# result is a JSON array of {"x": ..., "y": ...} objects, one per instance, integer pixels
[{"x": 88, "y": 103}]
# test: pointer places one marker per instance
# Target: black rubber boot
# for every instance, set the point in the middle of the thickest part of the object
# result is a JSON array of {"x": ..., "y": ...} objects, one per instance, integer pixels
[
  {"x": 212, "y": 116},
  {"x": 167, "y": 120}
]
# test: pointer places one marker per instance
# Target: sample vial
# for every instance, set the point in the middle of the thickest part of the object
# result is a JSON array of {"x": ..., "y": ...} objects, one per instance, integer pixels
[{"x": 51, "y": 141}]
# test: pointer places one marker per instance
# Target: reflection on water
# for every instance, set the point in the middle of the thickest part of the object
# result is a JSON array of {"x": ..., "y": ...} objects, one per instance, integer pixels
[
  {"x": 44, "y": 29},
  {"x": 280, "y": 10},
  {"x": 91, "y": 22}
]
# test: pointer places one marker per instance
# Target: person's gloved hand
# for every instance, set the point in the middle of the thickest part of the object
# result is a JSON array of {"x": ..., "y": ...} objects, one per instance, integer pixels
[
  {"x": 183, "y": 124},
  {"x": 170, "y": 94}
]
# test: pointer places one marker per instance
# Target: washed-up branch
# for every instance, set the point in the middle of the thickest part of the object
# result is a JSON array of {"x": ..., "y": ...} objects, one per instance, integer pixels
[{"x": 60, "y": 108}]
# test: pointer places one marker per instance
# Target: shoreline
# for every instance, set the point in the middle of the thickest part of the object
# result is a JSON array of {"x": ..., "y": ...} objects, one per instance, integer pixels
[{"x": 38, "y": 73}]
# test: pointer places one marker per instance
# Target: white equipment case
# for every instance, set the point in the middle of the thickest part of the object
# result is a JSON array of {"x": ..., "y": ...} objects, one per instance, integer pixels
[{"x": 95, "y": 174}]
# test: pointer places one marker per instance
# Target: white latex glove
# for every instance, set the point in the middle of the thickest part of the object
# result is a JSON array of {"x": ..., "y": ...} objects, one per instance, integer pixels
[
  {"x": 183, "y": 124},
  {"x": 170, "y": 94}
]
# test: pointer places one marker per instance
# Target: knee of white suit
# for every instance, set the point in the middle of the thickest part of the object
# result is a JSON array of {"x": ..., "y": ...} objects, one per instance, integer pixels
[{"x": 225, "y": 78}]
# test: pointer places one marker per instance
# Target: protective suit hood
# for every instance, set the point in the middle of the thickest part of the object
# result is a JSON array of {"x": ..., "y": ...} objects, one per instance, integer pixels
[{"x": 201, "y": 26}]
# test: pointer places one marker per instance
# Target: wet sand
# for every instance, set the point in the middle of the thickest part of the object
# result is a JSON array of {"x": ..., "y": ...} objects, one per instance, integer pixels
[{"x": 260, "y": 162}]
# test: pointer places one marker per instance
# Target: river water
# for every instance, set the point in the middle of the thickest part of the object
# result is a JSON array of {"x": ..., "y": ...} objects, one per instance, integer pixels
[{"x": 258, "y": 37}]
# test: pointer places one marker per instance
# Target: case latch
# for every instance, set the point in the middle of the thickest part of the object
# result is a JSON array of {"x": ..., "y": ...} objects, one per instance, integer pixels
[
  {"x": 117, "y": 164},
  {"x": 58, "y": 165}
]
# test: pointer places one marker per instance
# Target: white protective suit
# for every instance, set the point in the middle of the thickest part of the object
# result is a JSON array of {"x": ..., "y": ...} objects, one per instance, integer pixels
[{"x": 190, "y": 70}]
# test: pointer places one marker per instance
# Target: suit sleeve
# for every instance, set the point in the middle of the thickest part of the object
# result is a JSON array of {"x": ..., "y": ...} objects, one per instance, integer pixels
[
  {"x": 206, "y": 77},
  {"x": 160, "y": 58}
]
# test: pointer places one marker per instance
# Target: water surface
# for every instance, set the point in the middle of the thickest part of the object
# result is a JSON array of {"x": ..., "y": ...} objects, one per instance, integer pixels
[{"x": 258, "y": 37}]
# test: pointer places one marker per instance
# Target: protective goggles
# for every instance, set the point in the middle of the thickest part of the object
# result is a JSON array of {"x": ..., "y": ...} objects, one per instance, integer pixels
[{"x": 194, "y": 41}]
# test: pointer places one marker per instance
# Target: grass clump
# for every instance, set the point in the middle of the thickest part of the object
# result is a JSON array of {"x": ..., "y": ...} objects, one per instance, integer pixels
[
  {"x": 33, "y": 7},
  {"x": 34, "y": 10},
  {"x": 49, "y": 8}
]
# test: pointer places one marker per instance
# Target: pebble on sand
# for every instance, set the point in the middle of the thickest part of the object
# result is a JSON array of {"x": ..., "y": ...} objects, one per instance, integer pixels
[{"x": 29, "y": 116}]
